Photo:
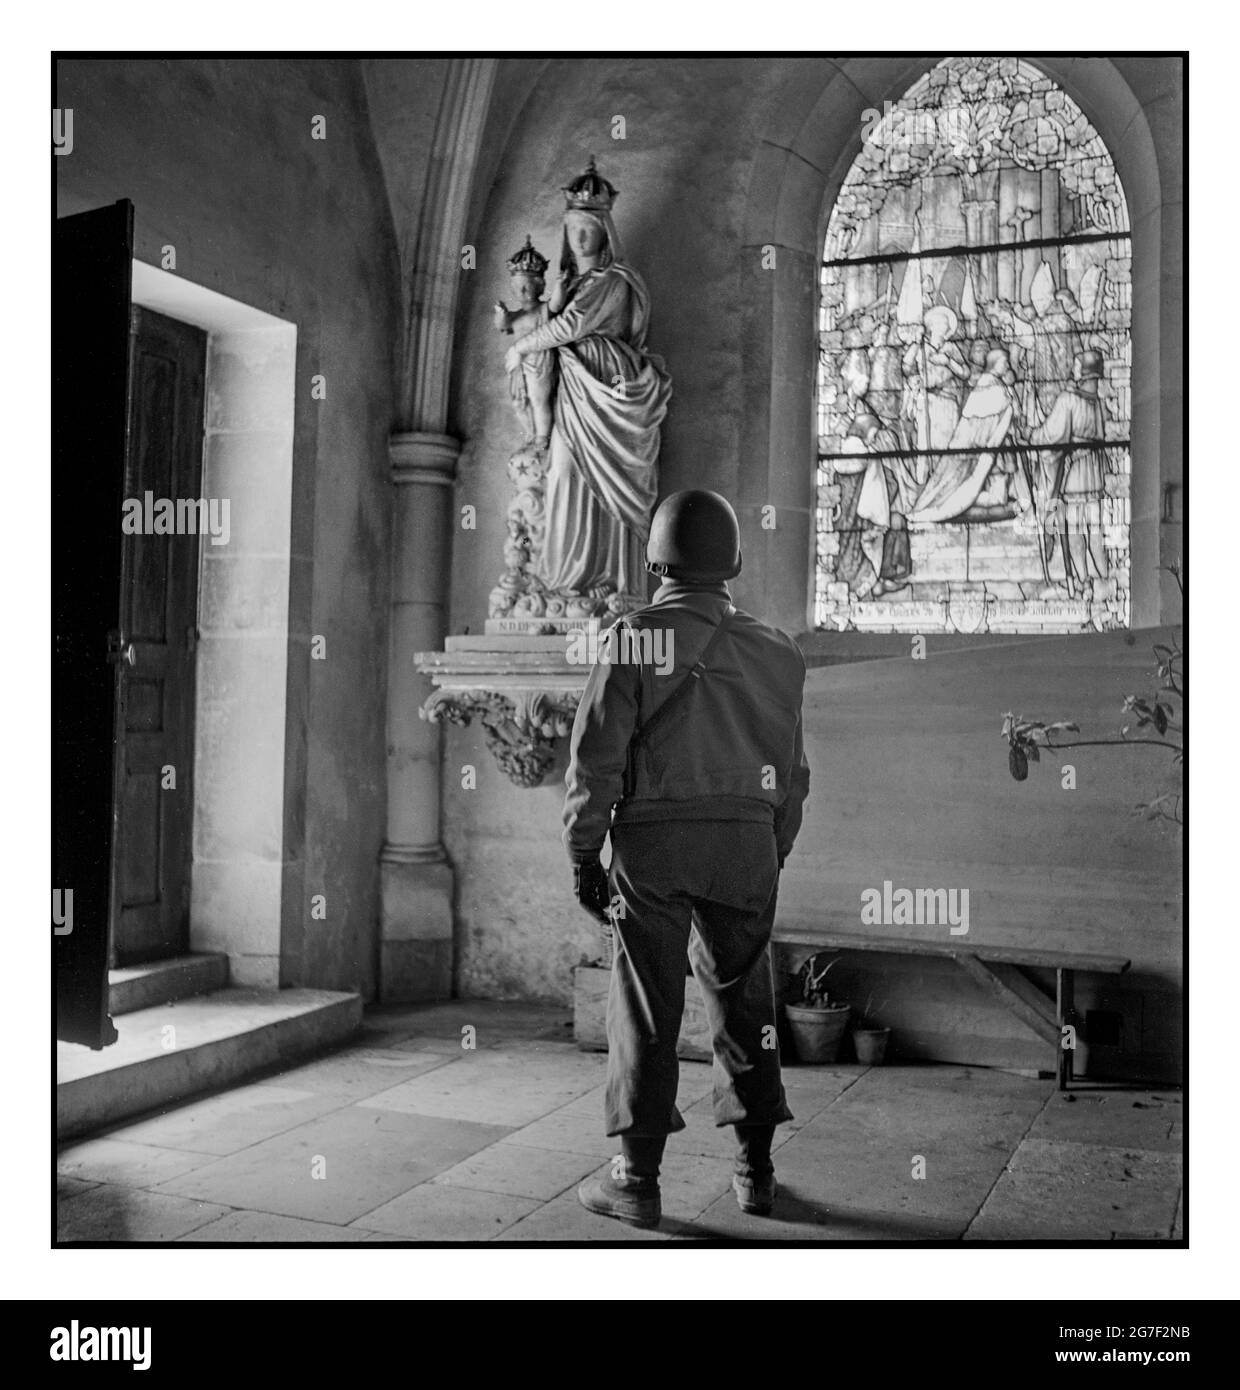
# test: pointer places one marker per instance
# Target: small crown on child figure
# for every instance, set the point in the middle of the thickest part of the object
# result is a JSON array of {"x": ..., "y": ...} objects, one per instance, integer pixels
[
  {"x": 590, "y": 192},
  {"x": 528, "y": 261}
]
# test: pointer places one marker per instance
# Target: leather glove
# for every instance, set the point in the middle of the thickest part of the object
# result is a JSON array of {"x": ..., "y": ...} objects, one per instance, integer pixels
[{"x": 591, "y": 889}]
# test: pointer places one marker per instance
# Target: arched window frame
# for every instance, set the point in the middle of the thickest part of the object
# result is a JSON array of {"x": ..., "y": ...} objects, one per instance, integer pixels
[
  {"x": 1000, "y": 538},
  {"x": 803, "y": 152}
]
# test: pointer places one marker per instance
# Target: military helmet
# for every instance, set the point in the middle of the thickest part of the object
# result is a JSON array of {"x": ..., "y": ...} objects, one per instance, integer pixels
[{"x": 694, "y": 535}]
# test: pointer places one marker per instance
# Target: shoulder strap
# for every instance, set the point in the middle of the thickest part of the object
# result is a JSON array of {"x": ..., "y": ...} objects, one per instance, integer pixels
[{"x": 686, "y": 684}]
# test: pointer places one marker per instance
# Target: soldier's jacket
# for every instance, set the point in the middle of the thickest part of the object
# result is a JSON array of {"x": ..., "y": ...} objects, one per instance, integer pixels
[{"x": 729, "y": 749}]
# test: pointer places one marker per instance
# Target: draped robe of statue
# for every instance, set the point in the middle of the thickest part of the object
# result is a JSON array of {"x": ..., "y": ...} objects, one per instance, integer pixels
[{"x": 602, "y": 473}]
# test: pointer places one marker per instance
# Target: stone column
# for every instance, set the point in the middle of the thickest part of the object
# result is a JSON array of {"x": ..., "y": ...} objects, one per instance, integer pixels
[
  {"x": 430, "y": 209},
  {"x": 415, "y": 878}
]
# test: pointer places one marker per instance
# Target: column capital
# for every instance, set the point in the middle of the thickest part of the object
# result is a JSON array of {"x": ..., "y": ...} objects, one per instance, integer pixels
[{"x": 419, "y": 457}]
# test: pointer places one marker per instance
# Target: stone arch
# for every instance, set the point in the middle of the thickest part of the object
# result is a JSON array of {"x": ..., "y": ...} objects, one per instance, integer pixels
[{"x": 802, "y": 158}]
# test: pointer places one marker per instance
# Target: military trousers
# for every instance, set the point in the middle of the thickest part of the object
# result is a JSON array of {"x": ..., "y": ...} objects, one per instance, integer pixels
[{"x": 705, "y": 891}]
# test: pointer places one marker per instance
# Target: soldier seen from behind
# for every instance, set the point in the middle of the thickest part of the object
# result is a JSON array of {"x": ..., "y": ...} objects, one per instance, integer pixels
[{"x": 695, "y": 767}]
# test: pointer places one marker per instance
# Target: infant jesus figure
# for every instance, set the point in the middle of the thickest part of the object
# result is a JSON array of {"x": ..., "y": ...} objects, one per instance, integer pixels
[{"x": 532, "y": 383}]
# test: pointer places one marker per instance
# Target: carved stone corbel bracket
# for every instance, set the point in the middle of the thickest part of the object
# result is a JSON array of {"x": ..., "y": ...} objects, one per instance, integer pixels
[{"x": 520, "y": 726}]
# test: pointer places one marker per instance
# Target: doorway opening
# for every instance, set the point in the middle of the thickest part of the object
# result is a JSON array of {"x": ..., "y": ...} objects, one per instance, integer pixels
[
  {"x": 235, "y": 796},
  {"x": 159, "y": 619}
]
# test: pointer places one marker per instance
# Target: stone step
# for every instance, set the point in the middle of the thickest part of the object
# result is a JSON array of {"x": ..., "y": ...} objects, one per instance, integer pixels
[
  {"x": 134, "y": 987},
  {"x": 169, "y": 1052}
]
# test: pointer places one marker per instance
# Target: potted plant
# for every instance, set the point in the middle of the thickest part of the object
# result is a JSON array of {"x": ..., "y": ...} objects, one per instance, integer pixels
[
  {"x": 816, "y": 1024},
  {"x": 870, "y": 1038}
]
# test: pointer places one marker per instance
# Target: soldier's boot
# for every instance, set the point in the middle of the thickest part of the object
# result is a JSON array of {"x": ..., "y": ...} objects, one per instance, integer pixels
[
  {"x": 630, "y": 1192},
  {"x": 754, "y": 1179}
]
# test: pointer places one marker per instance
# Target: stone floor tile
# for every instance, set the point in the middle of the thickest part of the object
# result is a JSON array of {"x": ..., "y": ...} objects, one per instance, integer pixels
[
  {"x": 519, "y": 1171},
  {"x": 690, "y": 1183},
  {"x": 800, "y": 1214},
  {"x": 703, "y": 1137},
  {"x": 367, "y": 1157},
  {"x": 71, "y": 1187},
  {"x": 1086, "y": 1161},
  {"x": 111, "y": 1212},
  {"x": 579, "y": 1134},
  {"x": 232, "y": 1120},
  {"x": 589, "y": 1105},
  {"x": 127, "y": 1164},
  {"x": 1058, "y": 1190},
  {"x": 493, "y": 1087},
  {"x": 357, "y": 1072},
  {"x": 925, "y": 1146},
  {"x": 853, "y": 1167},
  {"x": 495, "y": 1023},
  {"x": 243, "y": 1227},
  {"x": 1120, "y": 1118},
  {"x": 946, "y": 1102},
  {"x": 831, "y": 1076},
  {"x": 437, "y": 1212},
  {"x": 437, "y": 1142},
  {"x": 448, "y": 1048},
  {"x": 811, "y": 1089}
]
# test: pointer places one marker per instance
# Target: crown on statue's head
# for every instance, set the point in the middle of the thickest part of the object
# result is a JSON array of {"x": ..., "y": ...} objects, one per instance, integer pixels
[
  {"x": 528, "y": 261},
  {"x": 590, "y": 192}
]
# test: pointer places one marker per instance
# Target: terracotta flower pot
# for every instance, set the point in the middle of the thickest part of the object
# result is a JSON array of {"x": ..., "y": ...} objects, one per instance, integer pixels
[
  {"x": 817, "y": 1032},
  {"x": 871, "y": 1045}
]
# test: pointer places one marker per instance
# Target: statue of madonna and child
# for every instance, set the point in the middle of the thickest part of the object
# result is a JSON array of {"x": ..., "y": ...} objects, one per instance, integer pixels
[{"x": 592, "y": 400}]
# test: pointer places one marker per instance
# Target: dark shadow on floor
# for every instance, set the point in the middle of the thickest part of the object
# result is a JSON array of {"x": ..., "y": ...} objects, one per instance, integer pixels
[{"x": 793, "y": 1210}]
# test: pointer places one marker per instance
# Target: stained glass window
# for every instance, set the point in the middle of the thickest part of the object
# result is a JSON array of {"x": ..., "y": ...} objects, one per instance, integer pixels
[{"x": 974, "y": 366}]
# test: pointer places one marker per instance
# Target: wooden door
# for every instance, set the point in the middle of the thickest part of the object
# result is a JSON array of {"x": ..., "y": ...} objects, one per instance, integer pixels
[
  {"x": 159, "y": 606},
  {"x": 91, "y": 274}
]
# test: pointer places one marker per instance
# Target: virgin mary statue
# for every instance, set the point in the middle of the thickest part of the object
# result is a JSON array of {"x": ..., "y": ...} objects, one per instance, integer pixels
[{"x": 611, "y": 397}]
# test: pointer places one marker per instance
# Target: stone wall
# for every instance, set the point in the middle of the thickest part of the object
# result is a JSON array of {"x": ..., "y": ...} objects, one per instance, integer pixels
[
  {"x": 682, "y": 171},
  {"x": 719, "y": 157},
  {"x": 910, "y": 785},
  {"x": 217, "y": 157}
]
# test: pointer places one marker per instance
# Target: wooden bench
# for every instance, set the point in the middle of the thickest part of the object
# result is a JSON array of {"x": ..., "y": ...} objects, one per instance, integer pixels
[{"x": 998, "y": 970}]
